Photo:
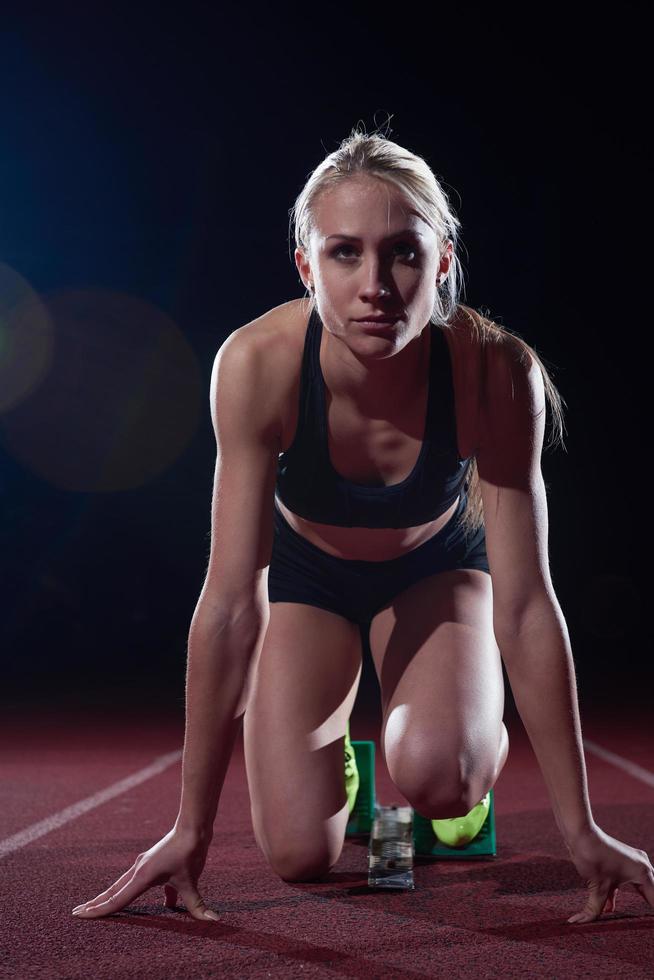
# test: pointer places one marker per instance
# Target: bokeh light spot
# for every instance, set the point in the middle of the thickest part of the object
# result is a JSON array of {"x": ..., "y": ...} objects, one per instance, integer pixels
[
  {"x": 25, "y": 339},
  {"x": 120, "y": 401}
]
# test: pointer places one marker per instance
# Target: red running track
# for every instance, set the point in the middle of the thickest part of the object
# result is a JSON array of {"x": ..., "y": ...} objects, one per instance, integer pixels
[{"x": 485, "y": 918}]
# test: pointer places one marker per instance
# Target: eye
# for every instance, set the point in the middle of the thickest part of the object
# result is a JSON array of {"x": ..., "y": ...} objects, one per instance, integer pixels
[
  {"x": 402, "y": 245},
  {"x": 406, "y": 245},
  {"x": 339, "y": 249}
]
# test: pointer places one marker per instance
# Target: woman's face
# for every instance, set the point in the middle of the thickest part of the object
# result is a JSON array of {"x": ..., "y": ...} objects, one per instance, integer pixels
[{"x": 366, "y": 239}]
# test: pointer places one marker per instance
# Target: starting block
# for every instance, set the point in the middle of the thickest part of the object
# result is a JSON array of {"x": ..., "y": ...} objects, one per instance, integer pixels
[
  {"x": 425, "y": 842},
  {"x": 363, "y": 814}
]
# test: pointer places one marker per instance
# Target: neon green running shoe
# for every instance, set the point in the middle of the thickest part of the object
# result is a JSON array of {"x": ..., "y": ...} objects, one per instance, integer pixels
[
  {"x": 459, "y": 831},
  {"x": 351, "y": 771}
]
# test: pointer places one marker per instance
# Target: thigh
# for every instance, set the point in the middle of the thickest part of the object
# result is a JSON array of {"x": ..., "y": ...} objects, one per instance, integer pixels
[
  {"x": 442, "y": 688},
  {"x": 303, "y": 690}
]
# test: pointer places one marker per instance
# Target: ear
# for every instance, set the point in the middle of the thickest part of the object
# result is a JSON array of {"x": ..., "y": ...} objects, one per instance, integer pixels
[
  {"x": 303, "y": 267},
  {"x": 446, "y": 261}
]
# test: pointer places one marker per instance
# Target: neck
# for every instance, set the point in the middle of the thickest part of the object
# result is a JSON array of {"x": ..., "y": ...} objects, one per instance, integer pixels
[{"x": 375, "y": 386}]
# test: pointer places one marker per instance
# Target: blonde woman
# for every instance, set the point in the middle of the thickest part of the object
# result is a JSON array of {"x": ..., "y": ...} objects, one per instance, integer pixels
[{"x": 378, "y": 468}]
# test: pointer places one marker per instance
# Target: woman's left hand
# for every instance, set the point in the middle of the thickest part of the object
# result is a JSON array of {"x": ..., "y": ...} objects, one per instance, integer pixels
[{"x": 606, "y": 863}]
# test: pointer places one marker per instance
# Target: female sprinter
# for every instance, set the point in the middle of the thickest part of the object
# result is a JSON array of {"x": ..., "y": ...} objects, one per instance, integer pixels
[{"x": 378, "y": 469}]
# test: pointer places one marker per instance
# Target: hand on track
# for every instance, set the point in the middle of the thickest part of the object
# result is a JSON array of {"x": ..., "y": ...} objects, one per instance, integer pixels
[
  {"x": 605, "y": 864},
  {"x": 176, "y": 862}
]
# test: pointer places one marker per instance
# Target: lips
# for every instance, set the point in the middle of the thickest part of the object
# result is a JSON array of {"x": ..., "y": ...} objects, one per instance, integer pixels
[
  {"x": 385, "y": 327},
  {"x": 380, "y": 318}
]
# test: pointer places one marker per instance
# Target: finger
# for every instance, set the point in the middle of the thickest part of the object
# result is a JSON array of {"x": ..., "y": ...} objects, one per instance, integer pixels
[
  {"x": 611, "y": 900},
  {"x": 196, "y": 906},
  {"x": 130, "y": 890},
  {"x": 645, "y": 888},
  {"x": 111, "y": 890},
  {"x": 595, "y": 903},
  {"x": 170, "y": 901}
]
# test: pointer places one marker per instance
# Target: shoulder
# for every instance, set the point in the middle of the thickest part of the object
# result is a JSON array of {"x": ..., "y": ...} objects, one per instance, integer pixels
[
  {"x": 485, "y": 340},
  {"x": 261, "y": 355},
  {"x": 512, "y": 412},
  {"x": 265, "y": 332},
  {"x": 267, "y": 342},
  {"x": 500, "y": 368},
  {"x": 513, "y": 377}
]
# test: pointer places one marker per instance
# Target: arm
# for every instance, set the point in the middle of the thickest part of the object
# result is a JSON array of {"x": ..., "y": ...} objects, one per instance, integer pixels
[
  {"x": 231, "y": 616},
  {"x": 217, "y": 680},
  {"x": 529, "y": 627},
  {"x": 539, "y": 664},
  {"x": 227, "y": 627},
  {"x": 528, "y": 622}
]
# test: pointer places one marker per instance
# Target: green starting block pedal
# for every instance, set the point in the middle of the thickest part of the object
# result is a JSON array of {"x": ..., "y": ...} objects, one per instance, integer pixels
[
  {"x": 426, "y": 843},
  {"x": 362, "y": 816}
]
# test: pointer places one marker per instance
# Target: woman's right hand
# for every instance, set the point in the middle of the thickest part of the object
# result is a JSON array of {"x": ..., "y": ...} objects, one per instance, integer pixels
[{"x": 176, "y": 862}]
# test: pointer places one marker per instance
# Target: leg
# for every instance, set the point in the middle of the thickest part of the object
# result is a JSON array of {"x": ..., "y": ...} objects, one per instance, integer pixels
[
  {"x": 304, "y": 687},
  {"x": 442, "y": 691}
]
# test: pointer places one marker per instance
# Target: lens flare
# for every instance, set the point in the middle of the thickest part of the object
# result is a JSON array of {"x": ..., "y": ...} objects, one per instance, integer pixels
[{"x": 109, "y": 392}]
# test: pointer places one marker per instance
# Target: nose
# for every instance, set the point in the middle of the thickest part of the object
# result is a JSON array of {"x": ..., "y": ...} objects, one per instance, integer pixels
[{"x": 374, "y": 283}]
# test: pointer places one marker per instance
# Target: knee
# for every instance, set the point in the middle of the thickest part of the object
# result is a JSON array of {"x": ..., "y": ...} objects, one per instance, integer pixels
[
  {"x": 444, "y": 804},
  {"x": 301, "y": 853},
  {"x": 296, "y": 858},
  {"x": 294, "y": 866},
  {"x": 437, "y": 785},
  {"x": 442, "y": 801}
]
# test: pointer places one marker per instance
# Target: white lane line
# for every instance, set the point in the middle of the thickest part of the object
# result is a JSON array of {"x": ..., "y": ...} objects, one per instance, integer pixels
[
  {"x": 23, "y": 837},
  {"x": 631, "y": 767}
]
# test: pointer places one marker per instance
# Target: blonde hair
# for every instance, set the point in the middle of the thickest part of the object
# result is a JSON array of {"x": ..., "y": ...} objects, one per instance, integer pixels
[{"x": 376, "y": 156}]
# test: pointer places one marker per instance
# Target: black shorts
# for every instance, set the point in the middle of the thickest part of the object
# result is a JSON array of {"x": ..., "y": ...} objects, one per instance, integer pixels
[{"x": 301, "y": 572}]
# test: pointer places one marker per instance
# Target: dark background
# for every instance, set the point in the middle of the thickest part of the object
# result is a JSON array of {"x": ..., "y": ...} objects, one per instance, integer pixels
[{"x": 149, "y": 161}]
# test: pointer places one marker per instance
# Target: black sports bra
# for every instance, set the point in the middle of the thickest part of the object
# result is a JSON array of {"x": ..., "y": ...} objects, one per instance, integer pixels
[{"x": 309, "y": 486}]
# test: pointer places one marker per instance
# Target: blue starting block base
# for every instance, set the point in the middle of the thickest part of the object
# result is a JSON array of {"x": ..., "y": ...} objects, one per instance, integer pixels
[{"x": 426, "y": 844}]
